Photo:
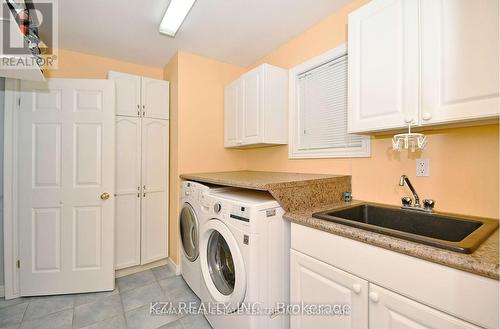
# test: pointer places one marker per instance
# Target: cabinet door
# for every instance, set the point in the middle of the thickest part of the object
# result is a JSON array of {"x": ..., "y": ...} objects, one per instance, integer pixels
[
  {"x": 383, "y": 65},
  {"x": 127, "y": 201},
  {"x": 317, "y": 283},
  {"x": 232, "y": 106},
  {"x": 155, "y": 98},
  {"x": 127, "y": 230},
  {"x": 154, "y": 225},
  {"x": 127, "y": 93},
  {"x": 390, "y": 310},
  {"x": 460, "y": 51},
  {"x": 251, "y": 120}
]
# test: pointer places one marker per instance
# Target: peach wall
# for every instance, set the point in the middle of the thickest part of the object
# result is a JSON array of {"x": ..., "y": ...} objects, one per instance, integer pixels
[
  {"x": 201, "y": 98},
  {"x": 197, "y": 140},
  {"x": 171, "y": 73},
  {"x": 73, "y": 64},
  {"x": 464, "y": 175}
]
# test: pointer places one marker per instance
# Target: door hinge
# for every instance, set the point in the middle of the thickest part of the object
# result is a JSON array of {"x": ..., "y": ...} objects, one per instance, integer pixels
[{"x": 18, "y": 264}]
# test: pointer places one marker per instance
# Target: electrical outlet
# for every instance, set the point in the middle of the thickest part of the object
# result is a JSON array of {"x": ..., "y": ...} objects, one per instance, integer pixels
[{"x": 423, "y": 167}]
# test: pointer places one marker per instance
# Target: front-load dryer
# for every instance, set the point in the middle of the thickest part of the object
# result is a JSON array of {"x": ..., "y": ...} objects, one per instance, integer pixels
[
  {"x": 244, "y": 257},
  {"x": 191, "y": 217}
]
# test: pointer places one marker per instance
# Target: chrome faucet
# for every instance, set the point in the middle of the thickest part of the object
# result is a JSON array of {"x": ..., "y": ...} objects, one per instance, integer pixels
[
  {"x": 407, "y": 201},
  {"x": 402, "y": 181}
]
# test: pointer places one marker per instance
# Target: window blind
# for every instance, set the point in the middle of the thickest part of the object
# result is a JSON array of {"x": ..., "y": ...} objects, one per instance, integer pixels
[{"x": 322, "y": 112}]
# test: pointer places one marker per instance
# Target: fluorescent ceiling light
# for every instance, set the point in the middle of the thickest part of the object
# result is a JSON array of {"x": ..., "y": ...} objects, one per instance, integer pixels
[{"x": 174, "y": 16}]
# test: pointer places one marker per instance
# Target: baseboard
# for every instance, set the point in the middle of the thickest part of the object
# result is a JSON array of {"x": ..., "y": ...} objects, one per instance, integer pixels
[
  {"x": 2, "y": 291},
  {"x": 174, "y": 266},
  {"x": 140, "y": 268}
]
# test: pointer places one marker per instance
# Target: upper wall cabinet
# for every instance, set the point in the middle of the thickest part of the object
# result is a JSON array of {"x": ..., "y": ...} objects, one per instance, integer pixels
[
  {"x": 140, "y": 96},
  {"x": 383, "y": 65},
  {"x": 460, "y": 43},
  {"x": 255, "y": 108},
  {"x": 426, "y": 61},
  {"x": 155, "y": 101}
]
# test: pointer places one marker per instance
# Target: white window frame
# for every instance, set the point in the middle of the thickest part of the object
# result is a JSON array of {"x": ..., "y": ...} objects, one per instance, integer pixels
[{"x": 294, "y": 117}]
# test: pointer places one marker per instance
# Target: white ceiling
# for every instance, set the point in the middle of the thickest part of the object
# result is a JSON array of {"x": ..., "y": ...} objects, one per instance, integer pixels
[{"x": 232, "y": 31}]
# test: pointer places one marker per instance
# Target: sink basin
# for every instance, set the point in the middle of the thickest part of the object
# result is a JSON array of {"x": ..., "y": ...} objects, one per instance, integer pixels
[{"x": 452, "y": 232}]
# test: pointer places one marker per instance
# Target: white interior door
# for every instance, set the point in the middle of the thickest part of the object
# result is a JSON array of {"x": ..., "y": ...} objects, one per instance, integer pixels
[
  {"x": 155, "y": 98},
  {"x": 128, "y": 192},
  {"x": 154, "y": 226},
  {"x": 128, "y": 93},
  {"x": 66, "y": 165}
]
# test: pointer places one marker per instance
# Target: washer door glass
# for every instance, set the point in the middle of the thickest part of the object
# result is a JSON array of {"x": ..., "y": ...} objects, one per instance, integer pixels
[
  {"x": 189, "y": 232},
  {"x": 220, "y": 263}
]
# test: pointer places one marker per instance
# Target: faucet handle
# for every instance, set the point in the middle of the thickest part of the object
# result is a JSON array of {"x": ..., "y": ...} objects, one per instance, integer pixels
[
  {"x": 406, "y": 201},
  {"x": 429, "y": 204}
]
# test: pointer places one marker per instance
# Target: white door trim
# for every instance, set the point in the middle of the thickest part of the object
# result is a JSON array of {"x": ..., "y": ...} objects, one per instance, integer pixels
[{"x": 10, "y": 231}]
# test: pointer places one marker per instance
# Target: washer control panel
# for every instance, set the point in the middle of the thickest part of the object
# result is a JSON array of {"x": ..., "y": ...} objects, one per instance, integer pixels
[{"x": 241, "y": 213}]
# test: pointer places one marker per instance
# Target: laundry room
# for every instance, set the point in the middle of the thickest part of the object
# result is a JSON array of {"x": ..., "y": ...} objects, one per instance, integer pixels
[{"x": 192, "y": 164}]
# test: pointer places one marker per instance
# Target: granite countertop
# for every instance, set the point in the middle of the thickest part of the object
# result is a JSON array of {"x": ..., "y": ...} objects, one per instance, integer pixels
[
  {"x": 259, "y": 180},
  {"x": 484, "y": 261},
  {"x": 301, "y": 195},
  {"x": 293, "y": 191}
]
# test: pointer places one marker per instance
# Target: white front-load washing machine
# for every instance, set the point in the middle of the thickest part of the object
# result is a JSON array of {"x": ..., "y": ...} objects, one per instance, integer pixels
[
  {"x": 244, "y": 258},
  {"x": 191, "y": 217}
]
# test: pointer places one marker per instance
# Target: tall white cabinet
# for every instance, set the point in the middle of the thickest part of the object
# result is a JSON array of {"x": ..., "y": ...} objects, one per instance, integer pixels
[
  {"x": 427, "y": 61},
  {"x": 142, "y": 158}
]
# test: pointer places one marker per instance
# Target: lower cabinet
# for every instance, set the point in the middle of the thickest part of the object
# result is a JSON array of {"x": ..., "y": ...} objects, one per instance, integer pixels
[
  {"x": 390, "y": 310},
  {"x": 314, "y": 282}
]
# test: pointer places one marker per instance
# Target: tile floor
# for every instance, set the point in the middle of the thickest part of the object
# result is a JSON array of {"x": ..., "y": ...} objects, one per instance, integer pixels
[{"x": 126, "y": 307}]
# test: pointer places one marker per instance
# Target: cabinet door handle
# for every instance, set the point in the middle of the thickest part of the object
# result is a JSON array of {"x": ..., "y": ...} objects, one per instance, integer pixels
[
  {"x": 144, "y": 194},
  {"x": 356, "y": 288},
  {"x": 426, "y": 116},
  {"x": 373, "y": 297}
]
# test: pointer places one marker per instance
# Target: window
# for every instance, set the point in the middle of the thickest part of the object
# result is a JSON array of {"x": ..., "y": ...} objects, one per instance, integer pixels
[{"x": 318, "y": 110}]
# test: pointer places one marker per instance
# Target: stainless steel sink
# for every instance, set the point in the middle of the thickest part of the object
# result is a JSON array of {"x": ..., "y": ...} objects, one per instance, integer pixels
[{"x": 447, "y": 231}]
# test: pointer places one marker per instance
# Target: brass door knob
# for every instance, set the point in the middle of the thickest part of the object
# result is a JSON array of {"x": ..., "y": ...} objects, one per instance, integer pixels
[{"x": 105, "y": 196}]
